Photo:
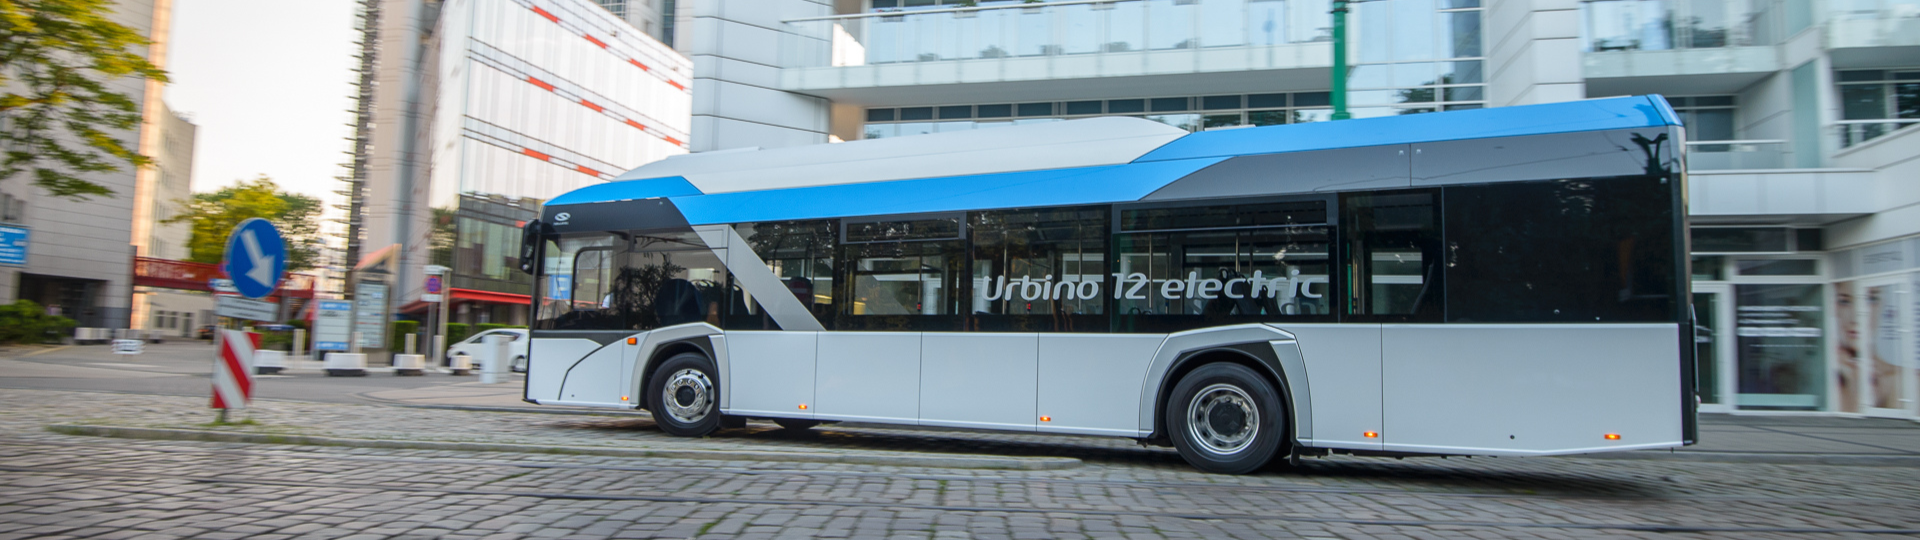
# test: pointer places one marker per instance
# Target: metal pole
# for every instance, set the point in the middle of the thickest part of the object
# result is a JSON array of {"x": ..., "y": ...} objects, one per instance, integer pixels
[{"x": 1340, "y": 60}]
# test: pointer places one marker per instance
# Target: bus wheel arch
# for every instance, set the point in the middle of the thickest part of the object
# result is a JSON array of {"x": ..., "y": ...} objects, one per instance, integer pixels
[
  {"x": 1245, "y": 356},
  {"x": 661, "y": 354}
]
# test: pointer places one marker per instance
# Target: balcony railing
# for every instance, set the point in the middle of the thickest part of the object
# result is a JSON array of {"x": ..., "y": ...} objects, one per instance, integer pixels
[
  {"x": 1051, "y": 29},
  {"x": 1736, "y": 155},
  {"x": 1658, "y": 25},
  {"x": 1854, "y": 132}
]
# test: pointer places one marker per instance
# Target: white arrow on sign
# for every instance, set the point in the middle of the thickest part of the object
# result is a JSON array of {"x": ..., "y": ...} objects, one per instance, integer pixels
[{"x": 262, "y": 271}]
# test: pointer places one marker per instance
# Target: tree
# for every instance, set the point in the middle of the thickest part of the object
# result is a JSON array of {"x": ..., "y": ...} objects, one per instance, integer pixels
[
  {"x": 56, "y": 58},
  {"x": 214, "y": 215}
]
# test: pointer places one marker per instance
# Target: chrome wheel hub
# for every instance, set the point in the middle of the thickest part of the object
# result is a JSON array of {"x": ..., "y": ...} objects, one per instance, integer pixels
[
  {"x": 688, "y": 396},
  {"x": 1222, "y": 419}
]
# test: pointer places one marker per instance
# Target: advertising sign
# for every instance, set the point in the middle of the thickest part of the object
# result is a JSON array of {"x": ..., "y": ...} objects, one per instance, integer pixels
[
  {"x": 433, "y": 290},
  {"x": 560, "y": 286},
  {"x": 332, "y": 325},
  {"x": 370, "y": 314},
  {"x": 242, "y": 308},
  {"x": 13, "y": 245}
]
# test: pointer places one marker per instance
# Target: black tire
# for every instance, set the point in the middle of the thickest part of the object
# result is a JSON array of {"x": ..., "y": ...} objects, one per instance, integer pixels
[
  {"x": 796, "y": 424},
  {"x": 1219, "y": 393},
  {"x": 680, "y": 379},
  {"x": 519, "y": 365}
]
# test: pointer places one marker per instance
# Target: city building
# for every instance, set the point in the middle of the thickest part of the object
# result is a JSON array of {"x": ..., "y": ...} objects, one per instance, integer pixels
[
  {"x": 1800, "y": 115},
  {"x": 79, "y": 254},
  {"x": 169, "y": 311},
  {"x": 653, "y": 17},
  {"x": 472, "y": 113}
]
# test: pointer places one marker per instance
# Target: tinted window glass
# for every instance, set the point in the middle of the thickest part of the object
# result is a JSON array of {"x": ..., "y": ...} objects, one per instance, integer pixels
[
  {"x": 900, "y": 286},
  {"x": 631, "y": 282},
  {"x": 919, "y": 229},
  {"x": 1739, "y": 239},
  {"x": 800, "y": 254},
  {"x": 1169, "y": 104},
  {"x": 1125, "y": 106},
  {"x": 1172, "y": 281},
  {"x": 916, "y": 113},
  {"x": 995, "y": 111},
  {"x": 956, "y": 111},
  {"x": 1083, "y": 107},
  {"x": 1218, "y": 216},
  {"x": 1777, "y": 267},
  {"x": 1565, "y": 250},
  {"x": 1039, "y": 270},
  {"x": 1393, "y": 270}
]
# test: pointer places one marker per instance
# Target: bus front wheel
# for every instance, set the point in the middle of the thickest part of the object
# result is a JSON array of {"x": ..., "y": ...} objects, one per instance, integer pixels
[
  {"x": 1225, "y": 418},
  {"x": 685, "y": 398}
]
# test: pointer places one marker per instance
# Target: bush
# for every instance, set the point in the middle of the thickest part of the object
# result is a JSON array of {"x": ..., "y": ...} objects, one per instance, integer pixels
[
  {"x": 397, "y": 338},
  {"x": 276, "y": 340},
  {"x": 456, "y": 332},
  {"x": 25, "y": 321},
  {"x": 482, "y": 327}
]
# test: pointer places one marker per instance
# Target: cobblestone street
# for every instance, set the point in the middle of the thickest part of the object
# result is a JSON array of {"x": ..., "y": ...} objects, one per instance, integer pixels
[{"x": 67, "y": 486}]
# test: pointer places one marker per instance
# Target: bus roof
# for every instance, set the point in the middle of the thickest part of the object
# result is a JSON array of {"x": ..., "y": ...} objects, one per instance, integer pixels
[{"x": 1100, "y": 160}]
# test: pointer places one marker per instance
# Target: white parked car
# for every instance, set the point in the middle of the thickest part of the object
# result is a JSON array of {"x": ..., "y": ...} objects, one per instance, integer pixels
[{"x": 475, "y": 346}]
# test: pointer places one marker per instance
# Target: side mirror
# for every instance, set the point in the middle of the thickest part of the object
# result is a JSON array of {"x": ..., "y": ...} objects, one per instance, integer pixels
[{"x": 530, "y": 247}]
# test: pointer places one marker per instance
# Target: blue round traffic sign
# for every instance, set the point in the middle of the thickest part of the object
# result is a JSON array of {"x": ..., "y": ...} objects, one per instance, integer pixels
[{"x": 256, "y": 258}]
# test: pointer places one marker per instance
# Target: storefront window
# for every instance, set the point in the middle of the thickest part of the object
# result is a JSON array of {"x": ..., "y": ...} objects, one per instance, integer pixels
[{"x": 1779, "y": 328}]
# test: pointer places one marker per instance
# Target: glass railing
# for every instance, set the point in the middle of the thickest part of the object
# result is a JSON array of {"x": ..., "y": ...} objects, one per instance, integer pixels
[
  {"x": 1658, "y": 25},
  {"x": 1857, "y": 10},
  {"x": 1051, "y": 29},
  {"x": 1852, "y": 132},
  {"x": 1873, "y": 23},
  {"x": 1735, "y": 155}
]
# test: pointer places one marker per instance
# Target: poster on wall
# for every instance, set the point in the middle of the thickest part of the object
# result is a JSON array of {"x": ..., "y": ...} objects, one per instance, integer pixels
[
  {"x": 1780, "y": 347},
  {"x": 332, "y": 325},
  {"x": 1846, "y": 348},
  {"x": 370, "y": 314},
  {"x": 1882, "y": 358}
]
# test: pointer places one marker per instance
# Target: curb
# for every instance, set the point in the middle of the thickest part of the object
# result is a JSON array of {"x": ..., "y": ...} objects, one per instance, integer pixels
[
  {"x": 1850, "y": 460},
  {"x": 945, "y": 461}
]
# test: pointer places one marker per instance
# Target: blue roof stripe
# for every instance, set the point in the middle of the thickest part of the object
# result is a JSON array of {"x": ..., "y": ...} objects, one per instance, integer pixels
[
  {"x": 672, "y": 186},
  {"x": 1056, "y": 187},
  {"x": 1567, "y": 117}
]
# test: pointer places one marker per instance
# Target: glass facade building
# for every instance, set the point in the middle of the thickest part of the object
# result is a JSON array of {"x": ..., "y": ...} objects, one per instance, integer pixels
[{"x": 533, "y": 98}]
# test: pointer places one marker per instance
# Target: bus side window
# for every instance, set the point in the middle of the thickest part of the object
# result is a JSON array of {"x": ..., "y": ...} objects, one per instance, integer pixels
[{"x": 1393, "y": 256}]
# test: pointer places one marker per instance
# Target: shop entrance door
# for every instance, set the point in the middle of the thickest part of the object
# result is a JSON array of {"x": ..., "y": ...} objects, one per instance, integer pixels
[
  {"x": 1885, "y": 354},
  {"x": 1712, "y": 346}
]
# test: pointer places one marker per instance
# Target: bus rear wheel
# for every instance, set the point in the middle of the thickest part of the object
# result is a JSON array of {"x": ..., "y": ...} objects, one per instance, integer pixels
[
  {"x": 1225, "y": 418},
  {"x": 685, "y": 399}
]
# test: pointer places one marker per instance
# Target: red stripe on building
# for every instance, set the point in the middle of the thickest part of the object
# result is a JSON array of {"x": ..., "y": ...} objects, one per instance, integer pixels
[
  {"x": 636, "y": 63},
  {"x": 675, "y": 84},
  {"x": 590, "y": 37},
  {"x": 535, "y": 154},
  {"x": 591, "y": 105},
  {"x": 636, "y": 125},
  {"x": 675, "y": 142},
  {"x": 543, "y": 13},
  {"x": 584, "y": 169},
  {"x": 540, "y": 83}
]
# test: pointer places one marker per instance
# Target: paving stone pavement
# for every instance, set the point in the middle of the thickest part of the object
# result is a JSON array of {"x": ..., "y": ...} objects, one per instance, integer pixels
[{"x": 57, "y": 486}]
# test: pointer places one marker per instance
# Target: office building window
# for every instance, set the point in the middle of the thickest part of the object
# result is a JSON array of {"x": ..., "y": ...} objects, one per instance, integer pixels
[
  {"x": 1707, "y": 118},
  {"x": 1192, "y": 113},
  {"x": 1874, "y": 102}
]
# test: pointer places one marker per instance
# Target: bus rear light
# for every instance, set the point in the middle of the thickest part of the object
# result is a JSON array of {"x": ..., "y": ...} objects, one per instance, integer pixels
[
  {"x": 1371, "y": 434},
  {"x": 633, "y": 341},
  {"x": 1613, "y": 436}
]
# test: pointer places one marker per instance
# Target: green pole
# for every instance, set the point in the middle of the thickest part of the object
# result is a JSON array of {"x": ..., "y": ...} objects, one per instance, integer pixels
[{"x": 1340, "y": 60}]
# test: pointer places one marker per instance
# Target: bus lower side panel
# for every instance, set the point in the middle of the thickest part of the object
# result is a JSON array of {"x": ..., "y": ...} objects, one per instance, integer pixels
[{"x": 1495, "y": 389}]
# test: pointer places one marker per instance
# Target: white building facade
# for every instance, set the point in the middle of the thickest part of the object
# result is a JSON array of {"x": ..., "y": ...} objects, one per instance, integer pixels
[
  {"x": 1800, "y": 117},
  {"x": 486, "y": 108}
]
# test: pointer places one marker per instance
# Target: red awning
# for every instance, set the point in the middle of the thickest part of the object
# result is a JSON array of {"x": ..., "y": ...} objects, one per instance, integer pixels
[{"x": 472, "y": 295}]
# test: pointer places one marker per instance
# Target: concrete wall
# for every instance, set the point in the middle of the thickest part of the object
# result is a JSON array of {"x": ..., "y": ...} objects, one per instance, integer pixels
[
  {"x": 737, "y": 101},
  {"x": 1895, "y": 161},
  {"x": 1533, "y": 52}
]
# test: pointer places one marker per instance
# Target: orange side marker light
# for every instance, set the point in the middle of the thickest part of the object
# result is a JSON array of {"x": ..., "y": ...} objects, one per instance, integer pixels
[
  {"x": 803, "y": 406},
  {"x": 1613, "y": 436},
  {"x": 623, "y": 398},
  {"x": 1371, "y": 435},
  {"x": 1046, "y": 419},
  {"x": 633, "y": 341}
]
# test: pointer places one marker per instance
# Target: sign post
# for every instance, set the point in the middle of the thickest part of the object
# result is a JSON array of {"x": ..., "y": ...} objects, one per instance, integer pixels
[
  {"x": 437, "y": 312},
  {"x": 255, "y": 262},
  {"x": 332, "y": 325}
]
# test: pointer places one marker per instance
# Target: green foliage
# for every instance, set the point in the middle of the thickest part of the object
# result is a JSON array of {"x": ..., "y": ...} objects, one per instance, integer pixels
[
  {"x": 57, "y": 58},
  {"x": 398, "y": 336},
  {"x": 482, "y": 327},
  {"x": 456, "y": 332},
  {"x": 26, "y": 322},
  {"x": 274, "y": 340},
  {"x": 214, "y": 215}
]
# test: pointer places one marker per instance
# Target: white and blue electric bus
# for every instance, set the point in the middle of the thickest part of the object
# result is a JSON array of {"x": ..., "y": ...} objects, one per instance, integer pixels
[{"x": 1507, "y": 282}]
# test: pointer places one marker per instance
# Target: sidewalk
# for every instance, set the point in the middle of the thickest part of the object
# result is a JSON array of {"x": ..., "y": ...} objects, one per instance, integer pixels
[{"x": 1723, "y": 437}]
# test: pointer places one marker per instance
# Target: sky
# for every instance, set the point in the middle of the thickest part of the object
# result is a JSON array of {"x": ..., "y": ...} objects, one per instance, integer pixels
[{"x": 268, "y": 84}]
